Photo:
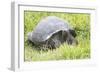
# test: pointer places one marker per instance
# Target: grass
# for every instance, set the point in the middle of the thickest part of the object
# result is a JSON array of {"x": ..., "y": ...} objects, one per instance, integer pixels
[{"x": 81, "y": 24}]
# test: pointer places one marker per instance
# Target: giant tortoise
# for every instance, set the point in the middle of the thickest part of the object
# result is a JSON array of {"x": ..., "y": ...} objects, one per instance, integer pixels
[{"x": 52, "y": 32}]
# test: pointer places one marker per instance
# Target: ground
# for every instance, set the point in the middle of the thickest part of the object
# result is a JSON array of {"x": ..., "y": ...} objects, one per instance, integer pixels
[{"x": 81, "y": 24}]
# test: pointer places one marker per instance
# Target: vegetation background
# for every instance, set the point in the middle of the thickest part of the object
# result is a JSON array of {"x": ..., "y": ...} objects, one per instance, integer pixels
[{"x": 79, "y": 21}]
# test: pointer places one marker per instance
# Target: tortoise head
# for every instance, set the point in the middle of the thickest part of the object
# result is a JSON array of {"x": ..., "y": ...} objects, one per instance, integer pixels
[
  {"x": 72, "y": 32},
  {"x": 71, "y": 37}
]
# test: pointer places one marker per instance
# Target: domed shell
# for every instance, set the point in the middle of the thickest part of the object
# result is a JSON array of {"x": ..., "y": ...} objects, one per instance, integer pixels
[{"x": 46, "y": 28}]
